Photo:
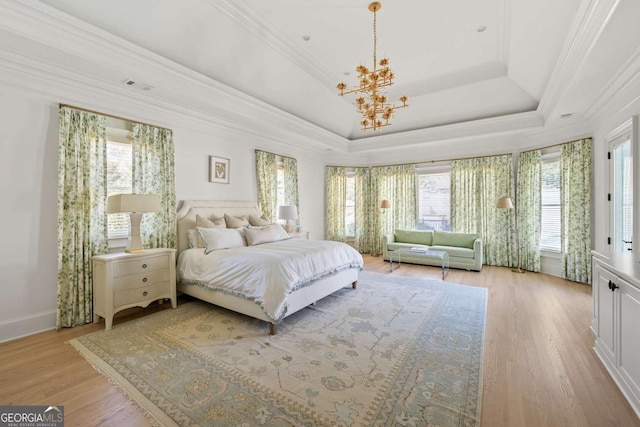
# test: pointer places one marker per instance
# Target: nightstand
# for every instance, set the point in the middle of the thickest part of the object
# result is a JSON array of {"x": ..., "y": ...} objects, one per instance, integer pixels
[
  {"x": 123, "y": 280},
  {"x": 299, "y": 235}
]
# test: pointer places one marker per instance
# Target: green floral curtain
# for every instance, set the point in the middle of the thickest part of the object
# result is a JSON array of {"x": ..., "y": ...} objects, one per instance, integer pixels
[
  {"x": 476, "y": 186},
  {"x": 290, "y": 166},
  {"x": 335, "y": 203},
  {"x": 365, "y": 211},
  {"x": 398, "y": 185},
  {"x": 529, "y": 209},
  {"x": 267, "y": 174},
  {"x": 153, "y": 173},
  {"x": 575, "y": 196},
  {"x": 82, "y": 224}
]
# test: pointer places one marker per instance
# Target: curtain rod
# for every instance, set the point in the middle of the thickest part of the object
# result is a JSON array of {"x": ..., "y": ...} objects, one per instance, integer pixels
[
  {"x": 275, "y": 154},
  {"x": 112, "y": 116},
  {"x": 462, "y": 158},
  {"x": 424, "y": 161},
  {"x": 555, "y": 145}
]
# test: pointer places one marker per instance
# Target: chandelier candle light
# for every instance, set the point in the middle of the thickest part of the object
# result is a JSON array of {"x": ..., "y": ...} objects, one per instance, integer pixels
[{"x": 376, "y": 108}]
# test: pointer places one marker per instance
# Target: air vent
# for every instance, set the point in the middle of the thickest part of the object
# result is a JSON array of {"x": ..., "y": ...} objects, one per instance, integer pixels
[{"x": 138, "y": 85}]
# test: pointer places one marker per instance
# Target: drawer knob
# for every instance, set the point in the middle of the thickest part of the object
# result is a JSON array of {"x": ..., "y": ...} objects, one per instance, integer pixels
[
  {"x": 144, "y": 293},
  {"x": 144, "y": 279},
  {"x": 144, "y": 265}
]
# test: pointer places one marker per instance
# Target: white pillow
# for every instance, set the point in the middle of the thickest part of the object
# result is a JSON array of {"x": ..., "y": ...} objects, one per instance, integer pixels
[
  {"x": 220, "y": 238},
  {"x": 270, "y": 233}
]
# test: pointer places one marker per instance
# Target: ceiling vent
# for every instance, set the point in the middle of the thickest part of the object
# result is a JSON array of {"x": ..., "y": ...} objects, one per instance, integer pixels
[{"x": 138, "y": 85}]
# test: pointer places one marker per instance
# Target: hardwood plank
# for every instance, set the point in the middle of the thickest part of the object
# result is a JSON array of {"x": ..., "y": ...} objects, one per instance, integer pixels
[{"x": 539, "y": 366}]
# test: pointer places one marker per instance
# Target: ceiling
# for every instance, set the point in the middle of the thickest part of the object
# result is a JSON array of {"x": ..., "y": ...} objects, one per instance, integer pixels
[{"x": 519, "y": 63}]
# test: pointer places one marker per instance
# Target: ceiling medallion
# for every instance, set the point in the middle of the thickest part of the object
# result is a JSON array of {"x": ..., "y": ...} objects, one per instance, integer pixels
[{"x": 375, "y": 110}]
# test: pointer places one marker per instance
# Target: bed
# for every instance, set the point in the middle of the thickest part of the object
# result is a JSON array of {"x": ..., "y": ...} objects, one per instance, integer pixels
[{"x": 311, "y": 269}]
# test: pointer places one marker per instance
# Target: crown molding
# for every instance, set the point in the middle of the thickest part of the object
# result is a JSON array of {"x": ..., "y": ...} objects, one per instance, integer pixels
[
  {"x": 590, "y": 21},
  {"x": 46, "y": 25},
  {"x": 67, "y": 86},
  {"x": 488, "y": 71},
  {"x": 626, "y": 76},
  {"x": 558, "y": 133},
  {"x": 251, "y": 21},
  {"x": 497, "y": 125}
]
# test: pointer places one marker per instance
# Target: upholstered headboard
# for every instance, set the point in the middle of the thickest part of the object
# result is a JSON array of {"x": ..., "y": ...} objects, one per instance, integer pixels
[{"x": 186, "y": 215}]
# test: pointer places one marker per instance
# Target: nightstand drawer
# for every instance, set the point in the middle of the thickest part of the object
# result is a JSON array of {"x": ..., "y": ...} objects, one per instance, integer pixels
[
  {"x": 147, "y": 278},
  {"x": 139, "y": 266},
  {"x": 133, "y": 296}
]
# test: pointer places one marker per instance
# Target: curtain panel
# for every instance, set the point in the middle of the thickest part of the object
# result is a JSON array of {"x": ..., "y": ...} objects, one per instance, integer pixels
[
  {"x": 476, "y": 186},
  {"x": 153, "y": 173},
  {"x": 290, "y": 166},
  {"x": 82, "y": 224},
  {"x": 267, "y": 175},
  {"x": 335, "y": 203},
  {"x": 398, "y": 185},
  {"x": 365, "y": 211},
  {"x": 575, "y": 208},
  {"x": 529, "y": 209}
]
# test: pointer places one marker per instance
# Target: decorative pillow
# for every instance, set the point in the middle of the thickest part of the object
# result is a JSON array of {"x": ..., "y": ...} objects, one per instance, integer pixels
[
  {"x": 220, "y": 238},
  {"x": 195, "y": 240},
  {"x": 236, "y": 221},
  {"x": 207, "y": 223},
  {"x": 258, "y": 221},
  {"x": 256, "y": 236}
]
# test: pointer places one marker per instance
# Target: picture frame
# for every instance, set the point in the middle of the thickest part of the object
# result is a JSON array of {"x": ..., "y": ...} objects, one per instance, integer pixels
[{"x": 219, "y": 169}]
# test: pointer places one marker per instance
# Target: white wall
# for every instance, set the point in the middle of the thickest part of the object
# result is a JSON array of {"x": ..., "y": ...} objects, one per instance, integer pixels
[{"x": 29, "y": 137}]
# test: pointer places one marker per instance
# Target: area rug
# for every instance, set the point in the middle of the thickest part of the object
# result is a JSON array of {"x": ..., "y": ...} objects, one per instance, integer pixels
[{"x": 396, "y": 351}]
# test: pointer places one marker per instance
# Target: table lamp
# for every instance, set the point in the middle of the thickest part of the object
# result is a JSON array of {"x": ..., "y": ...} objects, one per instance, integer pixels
[
  {"x": 135, "y": 205},
  {"x": 288, "y": 213}
]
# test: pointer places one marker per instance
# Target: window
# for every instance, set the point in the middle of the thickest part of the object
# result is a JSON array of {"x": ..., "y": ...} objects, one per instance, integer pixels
[
  {"x": 434, "y": 199},
  {"x": 622, "y": 194},
  {"x": 550, "y": 201},
  {"x": 119, "y": 180},
  {"x": 350, "y": 205}
]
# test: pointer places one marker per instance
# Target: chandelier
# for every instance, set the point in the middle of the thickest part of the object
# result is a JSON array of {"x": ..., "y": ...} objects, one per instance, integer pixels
[{"x": 375, "y": 109}]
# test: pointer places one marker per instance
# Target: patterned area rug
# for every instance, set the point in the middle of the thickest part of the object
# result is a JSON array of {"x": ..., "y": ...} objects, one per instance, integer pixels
[{"x": 397, "y": 351}]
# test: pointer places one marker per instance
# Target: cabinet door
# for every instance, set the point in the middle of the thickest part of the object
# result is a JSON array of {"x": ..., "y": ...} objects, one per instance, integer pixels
[
  {"x": 630, "y": 336},
  {"x": 605, "y": 302}
]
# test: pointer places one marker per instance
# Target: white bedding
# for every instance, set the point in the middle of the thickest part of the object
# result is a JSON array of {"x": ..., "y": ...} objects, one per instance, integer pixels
[{"x": 266, "y": 273}]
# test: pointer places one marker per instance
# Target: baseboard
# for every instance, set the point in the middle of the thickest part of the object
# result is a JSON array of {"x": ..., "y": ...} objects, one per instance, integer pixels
[{"x": 19, "y": 327}]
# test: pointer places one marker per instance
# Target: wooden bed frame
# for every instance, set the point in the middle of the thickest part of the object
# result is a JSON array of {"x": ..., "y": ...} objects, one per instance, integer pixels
[{"x": 297, "y": 300}]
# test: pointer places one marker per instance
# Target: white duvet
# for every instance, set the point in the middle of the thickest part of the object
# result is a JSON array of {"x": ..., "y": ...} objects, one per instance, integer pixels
[{"x": 266, "y": 273}]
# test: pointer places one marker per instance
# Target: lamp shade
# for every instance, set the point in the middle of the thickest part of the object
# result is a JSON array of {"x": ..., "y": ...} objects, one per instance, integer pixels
[
  {"x": 122, "y": 203},
  {"x": 504, "y": 203},
  {"x": 384, "y": 204},
  {"x": 287, "y": 212}
]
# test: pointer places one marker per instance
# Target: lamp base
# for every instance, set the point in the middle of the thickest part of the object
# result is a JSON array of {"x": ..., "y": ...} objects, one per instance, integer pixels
[
  {"x": 134, "y": 245},
  {"x": 518, "y": 270}
]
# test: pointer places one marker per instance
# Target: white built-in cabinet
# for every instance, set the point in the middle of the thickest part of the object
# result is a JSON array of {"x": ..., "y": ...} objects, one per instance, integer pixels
[{"x": 616, "y": 320}]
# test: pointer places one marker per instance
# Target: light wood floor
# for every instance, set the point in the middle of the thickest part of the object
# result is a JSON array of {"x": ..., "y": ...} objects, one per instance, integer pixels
[{"x": 539, "y": 366}]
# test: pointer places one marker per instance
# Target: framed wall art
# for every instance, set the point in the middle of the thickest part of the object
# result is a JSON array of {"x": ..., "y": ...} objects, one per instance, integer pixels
[{"x": 218, "y": 170}]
